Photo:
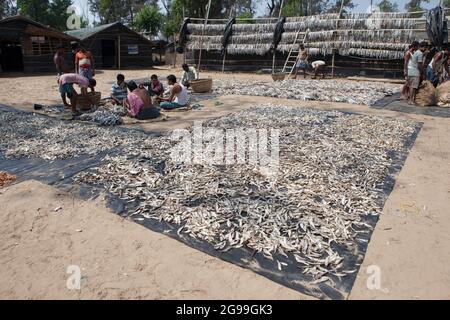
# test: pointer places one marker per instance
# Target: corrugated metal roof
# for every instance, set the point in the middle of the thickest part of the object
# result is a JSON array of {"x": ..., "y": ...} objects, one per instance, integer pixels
[{"x": 89, "y": 32}]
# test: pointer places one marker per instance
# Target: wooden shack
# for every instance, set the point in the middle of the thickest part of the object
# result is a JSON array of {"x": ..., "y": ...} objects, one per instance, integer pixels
[
  {"x": 115, "y": 46},
  {"x": 29, "y": 46}
]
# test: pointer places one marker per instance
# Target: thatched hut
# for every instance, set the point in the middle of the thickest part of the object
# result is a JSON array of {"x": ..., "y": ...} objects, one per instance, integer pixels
[
  {"x": 27, "y": 45},
  {"x": 116, "y": 46}
]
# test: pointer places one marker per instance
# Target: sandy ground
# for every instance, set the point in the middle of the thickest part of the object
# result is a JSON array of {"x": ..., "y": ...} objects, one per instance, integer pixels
[{"x": 409, "y": 250}]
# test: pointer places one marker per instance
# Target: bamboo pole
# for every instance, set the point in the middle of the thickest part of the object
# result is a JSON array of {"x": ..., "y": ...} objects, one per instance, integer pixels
[
  {"x": 118, "y": 52},
  {"x": 201, "y": 39},
  {"x": 184, "y": 51},
  {"x": 174, "y": 50}
]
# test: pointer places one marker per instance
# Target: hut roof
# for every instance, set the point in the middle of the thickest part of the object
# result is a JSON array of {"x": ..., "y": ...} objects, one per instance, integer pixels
[
  {"x": 85, "y": 33},
  {"x": 37, "y": 27}
]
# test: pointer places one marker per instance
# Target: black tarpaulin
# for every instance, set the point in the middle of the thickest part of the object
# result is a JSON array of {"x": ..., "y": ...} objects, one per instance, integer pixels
[
  {"x": 437, "y": 27},
  {"x": 227, "y": 34},
  {"x": 279, "y": 30},
  {"x": 182, "y": 39}
]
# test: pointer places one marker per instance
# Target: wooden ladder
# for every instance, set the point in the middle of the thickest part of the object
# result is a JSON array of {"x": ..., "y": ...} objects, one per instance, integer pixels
[{"x": 291, "y": 61}]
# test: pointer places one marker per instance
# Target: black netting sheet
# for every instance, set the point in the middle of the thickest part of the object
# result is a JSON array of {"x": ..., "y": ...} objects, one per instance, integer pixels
[{"x": 59, "y": 173}]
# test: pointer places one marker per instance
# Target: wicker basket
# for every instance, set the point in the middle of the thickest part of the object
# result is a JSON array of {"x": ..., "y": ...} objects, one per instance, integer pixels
[
  {"x": 201, "y": 85},
  {"x": 86, "y": 101},
  {"x": 278, "y": 76}
]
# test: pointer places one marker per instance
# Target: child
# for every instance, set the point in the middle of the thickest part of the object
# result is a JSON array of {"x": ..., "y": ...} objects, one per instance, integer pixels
[{"x": 119, "y": 89}]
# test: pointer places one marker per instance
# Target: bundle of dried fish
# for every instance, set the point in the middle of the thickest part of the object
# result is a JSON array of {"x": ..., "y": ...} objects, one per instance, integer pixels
[
  {"x": 255, "y": 38},
  {"x": 254, "y": 28},
  {"x": 327, "y": 16},
  {"x": 331, "y": 171},
  {"x": 366, "y": 93},
  {"x": 377, "y": 15},
  {"x": 258, "y": 49},
  {"x": 371, "y": 53},
  {"x": 210, "y": 29}
]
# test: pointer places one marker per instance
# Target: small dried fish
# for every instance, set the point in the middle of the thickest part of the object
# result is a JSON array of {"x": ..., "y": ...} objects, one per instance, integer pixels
[{"x": 366, "y": 93}]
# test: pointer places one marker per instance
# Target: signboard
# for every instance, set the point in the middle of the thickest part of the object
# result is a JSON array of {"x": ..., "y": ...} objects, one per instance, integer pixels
[{"x": 133, "y": 49}]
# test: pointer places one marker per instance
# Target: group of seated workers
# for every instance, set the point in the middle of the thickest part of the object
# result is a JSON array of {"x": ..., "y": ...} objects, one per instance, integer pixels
[{"x": 142, "y": 100}]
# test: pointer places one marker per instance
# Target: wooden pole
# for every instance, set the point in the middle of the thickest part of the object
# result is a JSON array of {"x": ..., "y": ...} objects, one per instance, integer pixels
[
  {"x": 275, "y": 51},
  {"x": 174, "y": 50},
  {"x": 184, "y": 51},
  {"x": 332, "y": 63},
  {"x": 201, "y": 39},
  {"x": 118, "y": 52}
]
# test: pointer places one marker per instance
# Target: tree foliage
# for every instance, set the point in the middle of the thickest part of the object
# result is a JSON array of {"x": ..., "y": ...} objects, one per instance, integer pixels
[
  {"x": 149, "y": 19},
  {"x": 387, "y": 6}
]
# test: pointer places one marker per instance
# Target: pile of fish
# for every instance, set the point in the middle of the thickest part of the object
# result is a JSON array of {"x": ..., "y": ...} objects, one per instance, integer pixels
[
  {"x": 26, "y": 135},
  {"x": 331, "y": 176},
  {"x": 102, "y": 117},
  {"x": 107, "y": 113},
  {"x": 365, "y": 93},
  {"x": 332, "y": 170}
]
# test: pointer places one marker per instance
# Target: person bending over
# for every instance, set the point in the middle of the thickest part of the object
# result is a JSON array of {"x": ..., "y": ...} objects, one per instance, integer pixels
[
  {"x": 66, "y": 82},
  {"x": 318, "y": 66}
]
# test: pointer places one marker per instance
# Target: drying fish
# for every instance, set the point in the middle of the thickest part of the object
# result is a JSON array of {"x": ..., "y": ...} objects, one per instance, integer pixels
[
  {"x": 366, "y": 93},
  {"x": 330, "y": 166},
  {"x": 102, "y": 117}
]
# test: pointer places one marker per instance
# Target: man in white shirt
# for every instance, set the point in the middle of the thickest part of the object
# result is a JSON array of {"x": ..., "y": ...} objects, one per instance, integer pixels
[
  {"x": 179, "y": 96},
  {"x": 318, "y": 67},
  {"x": 415, "y": 70}
]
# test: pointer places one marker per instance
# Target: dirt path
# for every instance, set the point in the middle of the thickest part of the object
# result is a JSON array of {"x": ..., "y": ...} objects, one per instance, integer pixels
[{"x": 120, "y": 259}]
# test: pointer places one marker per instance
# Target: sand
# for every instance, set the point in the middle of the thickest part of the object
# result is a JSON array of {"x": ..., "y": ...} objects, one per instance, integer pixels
[{"x": 410, "y": 246}]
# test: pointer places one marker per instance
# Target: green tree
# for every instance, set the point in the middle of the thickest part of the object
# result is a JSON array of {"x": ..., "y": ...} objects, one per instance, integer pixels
[
  {"x": 37, "y": 10},
  {"x": 387, "y": 6},
  {"x": 149, "y": 19},
  {"x": 108, "y": 11},
  {"x": 57, "y": 14},
  {"x": 336, "y": 7},
  {"x": 415, "y": 5},
  {"x": 246, "y": 16}
]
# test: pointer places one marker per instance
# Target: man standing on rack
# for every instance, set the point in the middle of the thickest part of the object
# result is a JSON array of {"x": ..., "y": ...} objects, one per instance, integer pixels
[{"x": 302, "y": 61}]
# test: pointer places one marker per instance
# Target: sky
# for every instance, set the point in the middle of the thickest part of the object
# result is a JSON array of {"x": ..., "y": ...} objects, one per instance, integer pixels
[{"x": 363, "y": 5}]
